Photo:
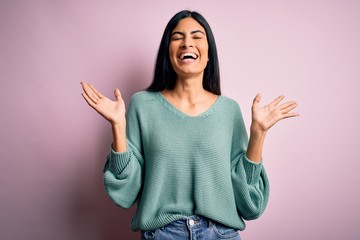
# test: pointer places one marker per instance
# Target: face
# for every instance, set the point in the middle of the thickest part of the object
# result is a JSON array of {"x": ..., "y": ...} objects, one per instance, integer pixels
[{"x": 188, "y": 48}]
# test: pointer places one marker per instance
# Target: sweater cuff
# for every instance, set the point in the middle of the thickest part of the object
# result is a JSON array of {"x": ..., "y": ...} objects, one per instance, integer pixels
[
  {"x": 118, "y": 161},
  {"x": 252, "y": 170}
]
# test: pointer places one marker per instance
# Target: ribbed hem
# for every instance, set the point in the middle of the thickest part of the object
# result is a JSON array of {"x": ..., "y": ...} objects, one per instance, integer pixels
[
  {"x": 165, "y": 218},
  {"x": 159, "y": 221},
  {"x": 118, "y": 161},
  {"x": 252, "y": 170}
]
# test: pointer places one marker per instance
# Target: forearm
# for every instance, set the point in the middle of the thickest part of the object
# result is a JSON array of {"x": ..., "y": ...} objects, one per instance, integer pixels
[
  {"x": 119, "y": 136},
  {"x": 256, "y": 143}
]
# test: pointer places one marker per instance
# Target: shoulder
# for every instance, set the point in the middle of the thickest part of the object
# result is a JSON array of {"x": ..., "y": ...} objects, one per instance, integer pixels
[
  {"x": 232, "y": 110},
  {"x": 142, "y": 97},
  {"x": 230, "y": 104}
]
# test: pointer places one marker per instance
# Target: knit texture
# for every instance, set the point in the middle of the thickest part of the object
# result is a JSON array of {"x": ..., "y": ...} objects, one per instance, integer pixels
[{"x": 178, "y": 165}]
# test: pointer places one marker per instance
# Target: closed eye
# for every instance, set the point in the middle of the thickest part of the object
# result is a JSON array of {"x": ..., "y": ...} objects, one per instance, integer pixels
[
  {"x": 177, "y": 36},
  {"x": 198, "y": 34},
  {"x": 197, "y": 37}
]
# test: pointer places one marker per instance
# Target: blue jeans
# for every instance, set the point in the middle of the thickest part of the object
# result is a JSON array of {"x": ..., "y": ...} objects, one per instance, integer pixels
[{"x": 192, "y": 228}]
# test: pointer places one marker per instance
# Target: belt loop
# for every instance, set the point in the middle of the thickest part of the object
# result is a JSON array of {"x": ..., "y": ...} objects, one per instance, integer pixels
[{"x": 210, "y": 223}]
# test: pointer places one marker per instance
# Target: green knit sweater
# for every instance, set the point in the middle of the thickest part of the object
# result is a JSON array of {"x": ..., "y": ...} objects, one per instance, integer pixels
[{"x": 178, "y": 165}]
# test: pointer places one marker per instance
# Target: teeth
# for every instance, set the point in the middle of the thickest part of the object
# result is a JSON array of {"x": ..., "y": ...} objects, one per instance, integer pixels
[{"x": 188, "y": 55}]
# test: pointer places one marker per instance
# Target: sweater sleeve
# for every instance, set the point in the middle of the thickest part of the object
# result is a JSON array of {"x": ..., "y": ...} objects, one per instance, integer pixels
[
  {"x": 249, "y": 179},
  {"x": 123, "y": 171}
]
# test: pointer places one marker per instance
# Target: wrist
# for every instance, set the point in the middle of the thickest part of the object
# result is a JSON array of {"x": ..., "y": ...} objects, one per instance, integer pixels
[
  {"x": 118, "y": 124},
  {"x": 119, "y": 136},
  {"x": 257, "y": 131},
  {"x": 256, "y": 142},
  {"x": 118, "y": 128}
]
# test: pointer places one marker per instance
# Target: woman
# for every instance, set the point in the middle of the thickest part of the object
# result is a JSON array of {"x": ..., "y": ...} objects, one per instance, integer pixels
[{"x": 182, "y": 151}]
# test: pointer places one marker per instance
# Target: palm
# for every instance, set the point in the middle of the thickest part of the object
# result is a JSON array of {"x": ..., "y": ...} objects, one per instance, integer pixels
[
  {"x": 113, "y": 111},
  {"x": 265, "y": 117},
  {"x": 110, "y": 110}
]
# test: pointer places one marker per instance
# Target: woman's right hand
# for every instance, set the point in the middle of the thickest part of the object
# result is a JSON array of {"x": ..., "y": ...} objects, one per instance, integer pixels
[{"x": 113, "y": 111}]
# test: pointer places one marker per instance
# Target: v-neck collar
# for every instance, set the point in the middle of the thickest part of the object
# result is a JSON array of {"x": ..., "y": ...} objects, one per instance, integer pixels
[{"x": 180, "y": 113}]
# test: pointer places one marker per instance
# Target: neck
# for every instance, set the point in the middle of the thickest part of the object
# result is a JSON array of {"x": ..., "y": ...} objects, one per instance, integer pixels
[{"x": 190, "y": 89}]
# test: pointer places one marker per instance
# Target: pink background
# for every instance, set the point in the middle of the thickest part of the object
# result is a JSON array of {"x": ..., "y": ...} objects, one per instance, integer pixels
[{"x": 53, "y": 145}]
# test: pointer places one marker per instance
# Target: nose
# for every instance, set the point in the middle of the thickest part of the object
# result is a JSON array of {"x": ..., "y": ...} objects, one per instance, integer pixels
[{"x": 187, "y": 43}]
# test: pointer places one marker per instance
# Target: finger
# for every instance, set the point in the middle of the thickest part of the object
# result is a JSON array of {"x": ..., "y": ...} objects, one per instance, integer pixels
[
  {"x": 256, "y": 100},
  {"x": 277, "y": 100},
  {"x": 117, "y": 94},
  {"x": 286, "y": 107},
  {"x": 90, "y": 92},
  {"x": 88, "y": 100},
  {"x": 289, "y": 115},
  {"x": 98, "y": 94}
]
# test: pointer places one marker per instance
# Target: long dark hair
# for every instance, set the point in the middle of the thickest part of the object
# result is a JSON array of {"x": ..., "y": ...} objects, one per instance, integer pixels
[{"x": 164, "y": 74}]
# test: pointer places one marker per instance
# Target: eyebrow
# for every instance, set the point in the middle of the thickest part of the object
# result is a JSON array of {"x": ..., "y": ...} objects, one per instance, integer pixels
[{"x": 192, "y": 32}]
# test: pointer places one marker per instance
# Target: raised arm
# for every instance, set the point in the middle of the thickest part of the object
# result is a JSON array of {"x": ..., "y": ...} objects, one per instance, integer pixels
[
  {"x": 263, "y": 118},
  {"x": 112, "y": 111}
]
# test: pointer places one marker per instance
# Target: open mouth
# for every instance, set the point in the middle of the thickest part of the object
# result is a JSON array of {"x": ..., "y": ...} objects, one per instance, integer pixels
[{"x": 188, "y": 56}]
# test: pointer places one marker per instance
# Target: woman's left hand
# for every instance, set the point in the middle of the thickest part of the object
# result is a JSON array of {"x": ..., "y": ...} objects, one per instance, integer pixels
[{"x": 263, "y": 118}]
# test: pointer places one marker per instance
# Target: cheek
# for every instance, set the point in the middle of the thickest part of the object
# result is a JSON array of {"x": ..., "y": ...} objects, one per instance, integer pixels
[
  {"x": 204, "y": 50},
  {"x": 172, "y": 55},
  {"x": 205, "y": 53},
  {"x": 172, "y": 49}
]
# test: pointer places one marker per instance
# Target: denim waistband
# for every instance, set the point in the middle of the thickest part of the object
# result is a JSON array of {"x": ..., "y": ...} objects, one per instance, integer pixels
[{"x": 192, "y": 222}]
